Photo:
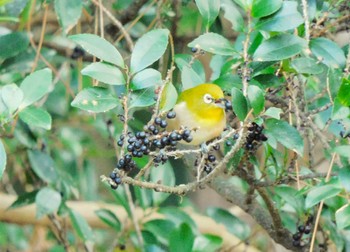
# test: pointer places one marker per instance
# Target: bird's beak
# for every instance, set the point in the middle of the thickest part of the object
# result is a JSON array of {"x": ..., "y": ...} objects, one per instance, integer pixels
[{"x": 220, "y": 103}]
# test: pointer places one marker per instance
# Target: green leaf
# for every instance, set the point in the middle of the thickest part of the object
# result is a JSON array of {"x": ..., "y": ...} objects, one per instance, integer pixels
[
  {"x": 343, "y": 150},
  {"x": 279, "y": 47},
  {"x": 68, "y": 13},
  {"x": 146, "y": 78},
  {"x": 291, "y": 196},
  {"x": 105, "y": 73},
  {"x": 169, "y": 97},
  {"x": 343, "y": 95},
  {"x": 165, "y": 174},
  {"x": 12, "y": 96},
  {"x": 190, "y": 78},
  {"x": 319, "y": 193},
  {"x": 99, "y": 47},
  {"x": 287, "y": 18},
  {"x": 3, "y": 159},
  {"x": 142, "y": 98},
  {"x": 182, "y": 60},
  {"x": 181, "y": 239},
  {"x": 233, "y": 224},
  {"x": 256, "y": 99},
  {"x": 232, "y": 14},
  {"x": 148, "y": 49},
  {"x": 47, "y": 201},
  {"x": 36, "y": 117},
  {"x": 12, "y": 44},
  {"x": 108, "y": 217},
  {"x": 342, "y": 217},
  {"x": 209, "y": 10},
  {"x": 306, "y": 65},
  {"x": 339, "y": 111},
  {"x": 274, "y": 112},
  {"x": 43, "y": 166},
  {"x": 286, "y": 134},
  {"x": 213, "y": 43},
  {"x": 24, "y": 199},
  {"x": 239, "y": 104},
  {"x": 207, "y": 242},
  {"x": 328, "y": 52},
  {"x": 95, "y": 99},
  {"x": 81, "y": 226},
  {"x": 35, "y": 86},
  {"x": 344, "y": 177},
  {"x": 262, "y": 8},
  {"x": 157, "y": 228}
]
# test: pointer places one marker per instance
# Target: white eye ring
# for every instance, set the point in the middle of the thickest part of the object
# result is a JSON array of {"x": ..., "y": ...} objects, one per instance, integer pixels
[{"x": 207, "y": 98}]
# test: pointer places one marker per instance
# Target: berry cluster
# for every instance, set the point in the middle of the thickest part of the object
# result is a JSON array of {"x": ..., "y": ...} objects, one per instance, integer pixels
[
  {"x": 208, "y": 166},
  {"x": 152, "y": 138},
  {"x": 255, "y": 136},
  {"x": 302, "y": 229},
  {"x": 116, "y": 179}
]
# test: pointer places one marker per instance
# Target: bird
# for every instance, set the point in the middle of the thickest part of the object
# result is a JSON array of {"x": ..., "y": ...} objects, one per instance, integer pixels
[{"x": 202, "y": 108}]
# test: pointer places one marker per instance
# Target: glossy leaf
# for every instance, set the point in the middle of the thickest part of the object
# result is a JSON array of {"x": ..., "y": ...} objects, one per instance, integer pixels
[
  {"x": 207, "y": 242},
  {"x": 232, "y": 14},
  {"x": 183, "y": 60},
  {"x": 256, "y": 99},
  {"x": 233, "y": 224},
  {"x": 148, "y": 49},
  {"x": 274, "y": 112},
  {"x": 95, "y": 100},
  {"x": 108, "y": 217},
  {"x": 36, "y": 117},
  {"x": 306, "y": 65},
  {"x": 279, "y": 47},
  {"x": 12, "y": 96},
  {"x": 181, "y": 238},
  {"x": 343, "y": 150},
  {"x": 68, "y": 13},
  {"x": 157, "y": 228},
  {"x": 209, "y": 10},
  {"x": 262, "y": 8},
  {"x": 287, "y": 18},
  {"x": 344, "y": 177},
  {"x": 286, "y": 134},
  {"x": 47, "y": 201},
  {"x": 342, "y": 217},
  {"x": 319, "y": 193},
  {"x": 339, "y": 111},
  {"x": 24, "y": 199},
  {"x": 169, "y": 97},
  {"x": 3, "y": 159},
  {"x": 142, "y": 98},
  {"x": 178, "y": 216},
  {"x": 105, "y": 73},
  {"x": 344, "y": 93},
  {"x": 213, "y": 43},
  {"x": 12, "y": 44},
  {"x": 165, "y": 174},
  {"x": 99, "y": 47},
  {"x": 328, "y": 52},
  {"x": 239, "y": 104},
  {"x": 291, "y": 196},
  {"x": 190, "y": 78},
  {"x": 81, "y": 226},
  {"x": 148, "y": 77},
  {"x": 35, "y": 86},
  {"x": 43, "y": 166}
]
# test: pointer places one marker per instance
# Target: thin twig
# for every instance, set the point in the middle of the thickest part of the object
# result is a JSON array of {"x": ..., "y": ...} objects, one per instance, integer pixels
[
  {"x": 329, "y": 172},
  {"x": 118, "y": 24},
  {"x": 306, "y": 20}
]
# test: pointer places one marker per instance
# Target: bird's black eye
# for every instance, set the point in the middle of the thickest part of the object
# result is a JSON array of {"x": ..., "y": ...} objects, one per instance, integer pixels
[{"x": 207, "y": 98}]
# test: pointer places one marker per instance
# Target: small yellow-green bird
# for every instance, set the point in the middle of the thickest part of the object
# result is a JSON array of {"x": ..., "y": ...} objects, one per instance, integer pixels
[{"x": 200, "y": 107}]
